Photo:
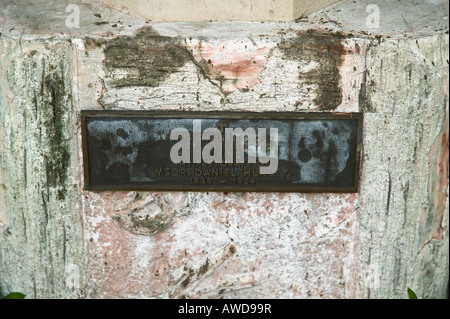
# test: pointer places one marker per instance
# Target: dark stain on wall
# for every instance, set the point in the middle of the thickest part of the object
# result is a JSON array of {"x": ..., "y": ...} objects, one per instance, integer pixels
[
  {"x": 147, "y": 57},
  {"x": 327, "y": 50},
  {"x": 56, "y": 107}
]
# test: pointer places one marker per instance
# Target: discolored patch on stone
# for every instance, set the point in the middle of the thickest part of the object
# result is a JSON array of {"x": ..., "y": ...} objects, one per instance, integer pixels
[
  {"x": 149, "y": 215},
  {"x": 59, "y": 154},
  {"x": 433, "y": 215},
  {"x": 230, "y": 64},
  {"x": 145, "y": 59},
  {"x": 145, "y": 219},
  {"x": 325, "y": 52}
]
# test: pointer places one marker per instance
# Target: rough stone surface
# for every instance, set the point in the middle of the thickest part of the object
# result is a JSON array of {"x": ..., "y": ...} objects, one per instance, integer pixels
[
  {"x": 41, "y": 217},
  {"x": 406, "y": 112},
  {"x": 59, "y": 240}
]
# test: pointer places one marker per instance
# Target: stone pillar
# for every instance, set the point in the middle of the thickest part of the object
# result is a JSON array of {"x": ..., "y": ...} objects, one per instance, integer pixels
[{"x": 58, "y": 240}]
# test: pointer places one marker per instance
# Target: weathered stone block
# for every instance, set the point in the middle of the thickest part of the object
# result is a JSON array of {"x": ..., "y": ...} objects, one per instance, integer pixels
[{"x": 59, "y": 240}]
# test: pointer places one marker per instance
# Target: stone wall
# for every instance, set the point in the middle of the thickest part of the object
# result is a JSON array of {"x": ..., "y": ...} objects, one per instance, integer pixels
[{"x": 58, "y": 240}]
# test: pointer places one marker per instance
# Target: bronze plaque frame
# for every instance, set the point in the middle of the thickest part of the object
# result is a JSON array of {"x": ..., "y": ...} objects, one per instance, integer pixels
[{"x": 91, "y": 154}]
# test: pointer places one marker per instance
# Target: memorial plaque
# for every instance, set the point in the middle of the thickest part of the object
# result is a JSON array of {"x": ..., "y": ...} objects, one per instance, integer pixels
[{"x": 221, "y": 151}]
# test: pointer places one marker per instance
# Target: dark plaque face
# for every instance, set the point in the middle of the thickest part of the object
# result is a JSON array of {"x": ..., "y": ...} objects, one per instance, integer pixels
[{"x": 221, "y": 151}]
